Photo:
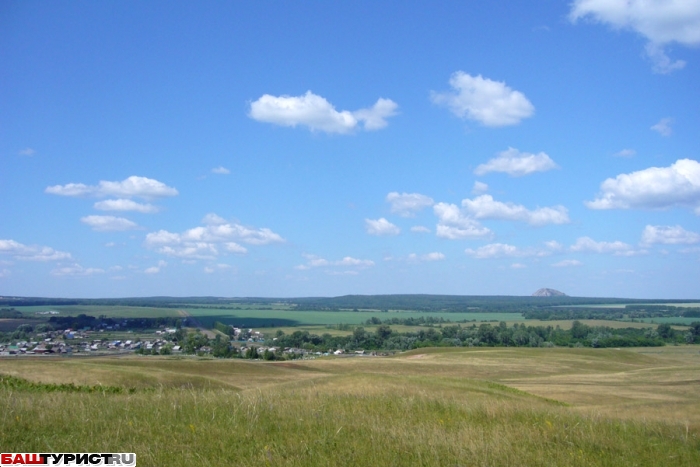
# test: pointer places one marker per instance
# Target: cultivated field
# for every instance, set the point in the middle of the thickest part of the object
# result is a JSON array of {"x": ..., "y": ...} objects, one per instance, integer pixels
[{"x": 482, "y": 406}]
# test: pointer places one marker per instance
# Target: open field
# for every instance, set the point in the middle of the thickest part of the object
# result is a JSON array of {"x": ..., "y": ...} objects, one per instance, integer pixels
[
  {"x": 108, "y": 311},
  {"x": 482, "y": 406},
  {"x": 622, "y": 305}
]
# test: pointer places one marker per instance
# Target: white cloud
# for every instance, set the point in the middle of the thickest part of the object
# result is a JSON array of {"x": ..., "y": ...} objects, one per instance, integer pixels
[
  {"x": 420, "y": 229},
  {"x": 479, "y": 188},
  {"x": 313, "y": 261},
  {"x": 660, "y": 22},
  {"x": 155, "y": 269},
  {"x": 517, "y": 164},
  {"x": 408, "y": 204},
  {"x": 220, "y": 170},
  {"x": 567, "y": 263},
  {"x": 31, "y": 252},
  {"x": 210, "y": 240},
  {"x": 375, "y": 117},
  {"x": 653, "y": 188},
  {"x": 318, "y": 114},
  {"x": 381, "y": 227},
  {"x": 518, "y": 266},
  {"x": 625, "y": 153},
  {"x": 491, "y": 103},
  {"x": 485, "y": 207},
  {"x": 133, "y": 186},
  {"x": 217, "y": 267},
  {"x": 503, "y": 250},
  {"x": 428, "y": 257},
  {"x": 76, "y": 270},
  {"x": 28, "y": 152},
  {"x": 124, "y": 205},
  {"x": 668, "y": 235},
  {"x": 109, "y": 223},
  {"x": 618, "y": 248},
  {"x": 454, "y": 225},
  {"x": 495, "y": 250},
  {"x": 663, "y": 127}
]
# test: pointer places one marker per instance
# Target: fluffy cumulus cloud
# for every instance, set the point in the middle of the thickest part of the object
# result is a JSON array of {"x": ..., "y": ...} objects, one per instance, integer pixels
[
  {"x": 428, "y": 257},
  {"x": 663, "y": 127},
  {"x": 109, "y": 223},
  {"x": 408, "y": 204},
  {"x": 453, "y": 224},
  {"x": 125, "y": 205},
  {"x": 504, "y": 250},
  {"x": 488, "y": 102},
  {"x": 220, "y": 170},
  {"x": 381, "y": 227},
  {"x": 316, "y": 113},
  {"x": 588, "y": 245},
  {"x": 313, "y": 261},
  {"x": 660, "y": 22},
  {"x": 155, "y": 269},
  {"x": 517, "y": 164},
  {"x": 215, "y": 237},
  {"x": 76, "y": 270},
  {"x": 420, "y": 229},
  {"x": 23, "y": 252},
  {"x": 134, "y": 186},
  {"x": 668, "y": 235},
  {"x": 567, "y": 263},
  {"x": 485, "y": 207},
  {"x": 479, "y": 188},
  {"x": 652, "y": 188}
]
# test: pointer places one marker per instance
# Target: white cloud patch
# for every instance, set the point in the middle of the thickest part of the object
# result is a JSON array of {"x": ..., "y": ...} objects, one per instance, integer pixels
[
  {"x": 517, "y": 164},
  {"x": 408, "y": 204},
  {"x": 663, "y": 127},
  {"x": 652, "y": 188},
  {"x": 485, "y": 207},
  {"x": 125, "y": 205},
  {"x": 660, "y": 22},
  {"x": 155, "y": 269},
  {"x": 316, "y": 113},
  {"x": 491, "y": 103},
  {"x": 214, "y": 238},
  {"x": 518, "y": 266},
  {"x": 420, "y": 229},
  {"x": 109, "y": 223},
  {"x": 479, "y": 188},
  {"x": 617, "y": 248},
  {"x": 23, "y": 252},
  {"x": 504, "y": 250},
  {"x": 220, "y": 170},
  {"x": 567, "y": 263},
  {"x": 27, "y": 152},
  {"x": 134, "y": 186},
  {"x": 76, "y": 270},
  {"x": 625, "y": 153},
  {"x": 453, "y": 224},
  {"x": 668, "y": 235},
  {"x": 313, "y": 261},
  {"x": 216, "y": 268},
  {"x": 381, "y": 227},
  {"x": 428, "y": 257}
]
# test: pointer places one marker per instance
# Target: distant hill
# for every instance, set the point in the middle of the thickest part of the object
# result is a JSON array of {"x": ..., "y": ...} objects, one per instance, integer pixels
[{"x": 549, "y": 293}]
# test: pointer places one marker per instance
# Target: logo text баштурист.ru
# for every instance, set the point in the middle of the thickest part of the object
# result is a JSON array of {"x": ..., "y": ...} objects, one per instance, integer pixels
[{"x": 69, "y": 459}]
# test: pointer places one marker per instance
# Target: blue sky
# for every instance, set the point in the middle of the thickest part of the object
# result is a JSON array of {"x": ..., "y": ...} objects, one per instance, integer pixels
[{"x": 329, "y": 148}]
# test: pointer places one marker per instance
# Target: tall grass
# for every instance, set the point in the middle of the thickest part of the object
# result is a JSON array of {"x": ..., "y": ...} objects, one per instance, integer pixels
[{"x": 368, "y": 421}]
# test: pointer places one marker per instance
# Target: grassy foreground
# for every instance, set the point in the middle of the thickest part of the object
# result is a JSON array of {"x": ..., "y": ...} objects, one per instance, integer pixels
[{"x": 434, "y": 407}]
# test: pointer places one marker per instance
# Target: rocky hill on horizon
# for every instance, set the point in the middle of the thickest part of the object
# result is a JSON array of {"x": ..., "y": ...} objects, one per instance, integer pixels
[{"x": 549, "y": 293}]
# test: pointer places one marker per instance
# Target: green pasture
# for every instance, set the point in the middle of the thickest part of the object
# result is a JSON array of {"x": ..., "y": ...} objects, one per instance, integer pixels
[
  {"x": 274, "y": 318},
  {"x": 99, "y": 310},
  {"x": 623, "y": 305}
]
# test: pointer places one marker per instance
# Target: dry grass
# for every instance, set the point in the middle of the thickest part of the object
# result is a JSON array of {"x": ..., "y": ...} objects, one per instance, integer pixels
[{"x": 497, "y": 407}]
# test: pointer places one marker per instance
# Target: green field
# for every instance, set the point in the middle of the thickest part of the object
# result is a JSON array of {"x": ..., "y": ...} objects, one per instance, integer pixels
[
  {"x": 431, "y": 407},
  {"x": 100, "y": 310},
  {"x": 276, "y": 318},
  {"x": 623, "y": 305}
]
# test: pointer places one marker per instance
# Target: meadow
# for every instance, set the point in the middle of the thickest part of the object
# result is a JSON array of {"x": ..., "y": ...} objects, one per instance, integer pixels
[{"x": 458, "y": 406}]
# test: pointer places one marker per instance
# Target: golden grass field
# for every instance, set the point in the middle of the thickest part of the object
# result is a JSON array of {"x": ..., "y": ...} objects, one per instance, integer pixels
[{"x": 457, "y": 406}]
